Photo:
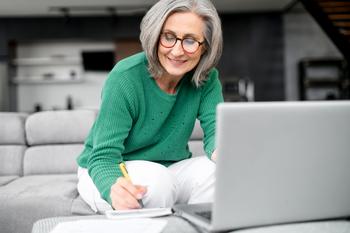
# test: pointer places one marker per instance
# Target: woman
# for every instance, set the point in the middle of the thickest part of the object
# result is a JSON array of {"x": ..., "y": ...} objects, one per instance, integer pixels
[{"x": 150, "y": 102}]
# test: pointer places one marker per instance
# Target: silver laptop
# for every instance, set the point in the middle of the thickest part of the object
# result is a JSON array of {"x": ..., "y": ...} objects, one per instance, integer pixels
[{"x": 278, "y": 162}]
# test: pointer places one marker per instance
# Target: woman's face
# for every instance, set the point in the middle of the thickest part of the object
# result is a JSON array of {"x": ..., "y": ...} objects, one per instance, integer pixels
[{"x": 175, "y": 60}]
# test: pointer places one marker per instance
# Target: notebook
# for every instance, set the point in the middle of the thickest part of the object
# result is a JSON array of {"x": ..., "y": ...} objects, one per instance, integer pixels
[
  {"x": 145, "y": 225},
  {"x": 138, "y": 213},
  {"x": 278, "y": 162}
]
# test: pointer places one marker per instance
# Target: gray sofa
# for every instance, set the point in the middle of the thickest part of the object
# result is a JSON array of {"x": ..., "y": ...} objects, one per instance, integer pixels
[{"x": 38, "y": 168}]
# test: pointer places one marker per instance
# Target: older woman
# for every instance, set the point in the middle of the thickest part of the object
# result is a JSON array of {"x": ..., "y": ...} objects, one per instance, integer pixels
[{"x": 150, "y": 102}]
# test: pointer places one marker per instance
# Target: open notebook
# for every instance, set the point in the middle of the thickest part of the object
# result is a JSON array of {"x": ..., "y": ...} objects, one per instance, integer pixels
[
  {"x": 145, "y": 225},
  {"x": 138, "y": 213}
]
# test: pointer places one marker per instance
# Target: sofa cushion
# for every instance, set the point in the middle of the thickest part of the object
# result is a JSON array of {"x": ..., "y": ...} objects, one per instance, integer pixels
[
  {"x": 30, "y": 198},
  {"x": 7, "y": 179},
  {"x": 196, "y": 144},
  {"x": 57, "y": 127},
  {"x": 12, "y": 128},
  {"x": 196, "y": 147},
  {"x": 80, "y": 207},
  {"x": 51, "y": 159},
  {"x": 11, "y": 157},
  {"x": 197, "y": 133},
  {"x": 57, "y": 186}
]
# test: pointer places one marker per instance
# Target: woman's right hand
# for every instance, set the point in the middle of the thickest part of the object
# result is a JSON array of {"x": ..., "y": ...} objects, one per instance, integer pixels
[{"x": 125, "y": 195}]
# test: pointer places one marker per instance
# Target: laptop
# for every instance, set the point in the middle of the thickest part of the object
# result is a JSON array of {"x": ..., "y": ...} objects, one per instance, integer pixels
[{"x": 278, "y": 162}]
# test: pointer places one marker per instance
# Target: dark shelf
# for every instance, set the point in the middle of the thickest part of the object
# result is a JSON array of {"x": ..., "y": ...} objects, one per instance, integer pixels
[
  {"x": 337, "y": 85},
  {"x": 322, "y": 83}
]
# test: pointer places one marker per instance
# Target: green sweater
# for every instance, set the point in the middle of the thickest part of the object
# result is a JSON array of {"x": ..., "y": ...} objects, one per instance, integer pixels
[{"x": 139, "y": 121}]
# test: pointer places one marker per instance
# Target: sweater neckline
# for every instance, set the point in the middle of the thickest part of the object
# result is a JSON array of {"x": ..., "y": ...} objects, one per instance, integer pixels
[
  {"x": 159, "y": 91},
  {"x": 164, "y": 93}
]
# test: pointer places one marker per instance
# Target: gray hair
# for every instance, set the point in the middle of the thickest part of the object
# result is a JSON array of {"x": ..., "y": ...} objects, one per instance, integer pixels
[{"x": 152, "y": 24}]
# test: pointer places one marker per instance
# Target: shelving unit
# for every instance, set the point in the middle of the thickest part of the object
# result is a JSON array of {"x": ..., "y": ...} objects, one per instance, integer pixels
[
  {"x": 328, "y": 77},
  {"x": 42, "y": 61},
  {"x": 47, "y": 70},
  {"x": 49, "y": 74},
  {"x": 238, "y": 90},
  {"x": 40, "y": 82}
]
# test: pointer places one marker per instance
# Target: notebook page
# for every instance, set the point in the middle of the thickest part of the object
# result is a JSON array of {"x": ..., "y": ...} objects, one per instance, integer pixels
[
  {"x": 145, "y": 225},
  {"x": 138, "y": 213}
]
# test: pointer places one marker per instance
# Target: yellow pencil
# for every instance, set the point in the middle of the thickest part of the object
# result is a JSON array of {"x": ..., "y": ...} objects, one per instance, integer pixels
[{"x": 126, "y": 175}]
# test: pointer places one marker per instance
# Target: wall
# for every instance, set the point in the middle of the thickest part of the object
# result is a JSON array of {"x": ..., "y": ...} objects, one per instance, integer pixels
[
  {"x": 3, "y": 86},
  {"x": 253, "y": 49},
  {"x": 303, "y": 39},
  {"x": 253, "y": 44},
  {"x": 3, "y": 71}
]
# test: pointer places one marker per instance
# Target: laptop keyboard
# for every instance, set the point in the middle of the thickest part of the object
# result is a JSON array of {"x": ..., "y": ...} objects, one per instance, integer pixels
[{"x": 205, "y": 214}]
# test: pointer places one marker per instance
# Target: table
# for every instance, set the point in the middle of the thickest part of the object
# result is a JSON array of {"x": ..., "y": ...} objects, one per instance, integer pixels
[
  {"x": 178, "y": 225},
  {"x": 175, "y": 224}
]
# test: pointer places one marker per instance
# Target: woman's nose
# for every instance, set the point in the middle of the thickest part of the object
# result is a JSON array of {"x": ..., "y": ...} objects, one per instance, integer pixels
[{"x": 177, "y": 50}]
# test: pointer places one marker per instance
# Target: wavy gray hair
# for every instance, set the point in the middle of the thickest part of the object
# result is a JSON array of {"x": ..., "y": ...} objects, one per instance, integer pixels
[{"x": 152, "y": 24}]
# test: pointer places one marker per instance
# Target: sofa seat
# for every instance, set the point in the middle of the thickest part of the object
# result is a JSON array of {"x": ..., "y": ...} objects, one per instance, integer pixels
[
  {"x": 30, "y": 198},
  {"x": 42, "y": 187},
  {"x": 7, "y": 179}
]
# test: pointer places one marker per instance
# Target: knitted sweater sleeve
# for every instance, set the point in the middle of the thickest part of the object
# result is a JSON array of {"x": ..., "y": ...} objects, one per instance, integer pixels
[
  {"x": 211, "y": 96},
  {"x": 112, "y": 126}
]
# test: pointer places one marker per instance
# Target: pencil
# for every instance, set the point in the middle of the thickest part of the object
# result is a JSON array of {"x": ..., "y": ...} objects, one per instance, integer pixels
[{"x": 126, "y": 175}]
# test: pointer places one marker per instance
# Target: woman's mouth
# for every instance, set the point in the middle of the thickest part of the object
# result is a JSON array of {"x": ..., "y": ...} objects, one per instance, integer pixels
[{"x": 177, "y": 62}]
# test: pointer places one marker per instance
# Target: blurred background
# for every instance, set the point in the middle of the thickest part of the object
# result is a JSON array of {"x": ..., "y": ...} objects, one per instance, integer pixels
[{"x": 57, "y": 54}]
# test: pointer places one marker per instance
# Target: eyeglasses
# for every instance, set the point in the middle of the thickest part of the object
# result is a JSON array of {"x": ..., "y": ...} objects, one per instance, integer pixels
[{"x": 189, "y": 45}]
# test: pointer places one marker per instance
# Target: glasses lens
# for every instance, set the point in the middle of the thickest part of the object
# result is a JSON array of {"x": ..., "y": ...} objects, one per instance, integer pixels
[
  {"x": 167, "y": 39},
  {"x": 190, "y": 45}
]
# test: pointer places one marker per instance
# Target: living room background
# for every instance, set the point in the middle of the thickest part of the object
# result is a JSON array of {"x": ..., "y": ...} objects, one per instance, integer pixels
[{"x": 260, "y": 47}]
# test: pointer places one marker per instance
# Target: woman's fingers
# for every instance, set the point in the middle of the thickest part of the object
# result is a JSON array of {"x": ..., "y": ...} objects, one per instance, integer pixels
[
  {"x": 141, "y": 189},
  {"x": 123, "y": 199},
  {"x": 135, "y": 190},
  {"x": 124, "y": 194}
]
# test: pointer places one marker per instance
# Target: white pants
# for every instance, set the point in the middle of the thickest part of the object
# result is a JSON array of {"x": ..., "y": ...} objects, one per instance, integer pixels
[{"x": 188, "y": 181}]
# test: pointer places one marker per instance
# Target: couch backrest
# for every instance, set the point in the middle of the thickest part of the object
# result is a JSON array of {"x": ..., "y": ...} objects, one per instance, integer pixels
[
  {"x": 49, "y": 142},
  {"x": 12, "y": 143},
  {"x": 196, "y": 144},
  {"x": 55, "y": 139}
]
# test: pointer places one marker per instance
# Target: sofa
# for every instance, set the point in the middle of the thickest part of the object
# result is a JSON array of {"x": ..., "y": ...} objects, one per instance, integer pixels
[
  {"x": 38, "y": 165},
  {"x": 38, "y": 175}
]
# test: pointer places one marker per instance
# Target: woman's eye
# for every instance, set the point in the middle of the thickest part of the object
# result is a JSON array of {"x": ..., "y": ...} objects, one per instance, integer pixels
[
  {"x": 169, "y": 37},
  {"x": 189, "y": 41}
]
